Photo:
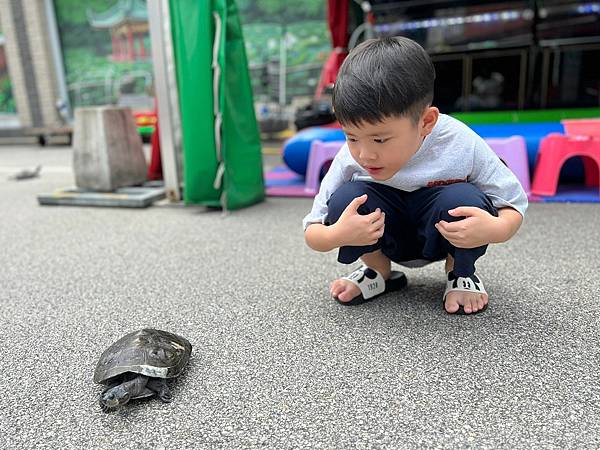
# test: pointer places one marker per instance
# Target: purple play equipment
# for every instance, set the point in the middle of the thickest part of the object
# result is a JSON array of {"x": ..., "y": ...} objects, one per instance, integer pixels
[
  {"x": 320, "y": 153},
  {"x": 296, "y": 150},
  {"x": 513, "y": 152}
]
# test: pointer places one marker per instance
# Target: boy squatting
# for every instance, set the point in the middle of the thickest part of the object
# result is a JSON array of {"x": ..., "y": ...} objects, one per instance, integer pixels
[{"x": 410, "y": 185}]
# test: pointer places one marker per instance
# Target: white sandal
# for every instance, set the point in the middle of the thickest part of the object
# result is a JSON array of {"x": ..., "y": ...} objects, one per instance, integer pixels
[
  {"x": 464, "y": 284},
  {"x": 372, "y": 285}
]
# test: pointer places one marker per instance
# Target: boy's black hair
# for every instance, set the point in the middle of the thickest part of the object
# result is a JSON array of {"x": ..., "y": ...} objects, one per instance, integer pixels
[{"x": 381, "y": 78}]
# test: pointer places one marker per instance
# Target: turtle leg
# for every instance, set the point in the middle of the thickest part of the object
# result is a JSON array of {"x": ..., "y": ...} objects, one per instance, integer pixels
[
  {"x": 159, "y": 385},
  {"x": 136, "y": 386}
]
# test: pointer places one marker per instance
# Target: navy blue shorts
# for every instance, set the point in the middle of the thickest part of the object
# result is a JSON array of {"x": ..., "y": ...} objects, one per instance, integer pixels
[{"x": 410, "y": 219}]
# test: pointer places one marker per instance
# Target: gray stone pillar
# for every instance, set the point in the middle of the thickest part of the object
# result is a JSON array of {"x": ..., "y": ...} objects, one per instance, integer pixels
[{"x": 107, "y": 149}]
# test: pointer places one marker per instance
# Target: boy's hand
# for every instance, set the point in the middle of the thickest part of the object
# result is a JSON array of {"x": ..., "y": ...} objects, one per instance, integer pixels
[
  {"x": 477, "y": 228},
  {"x": 355, "y": 229}
]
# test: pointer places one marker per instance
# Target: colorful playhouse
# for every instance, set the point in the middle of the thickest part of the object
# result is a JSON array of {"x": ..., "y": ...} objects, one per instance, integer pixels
[{"x": 555, "y": 161}]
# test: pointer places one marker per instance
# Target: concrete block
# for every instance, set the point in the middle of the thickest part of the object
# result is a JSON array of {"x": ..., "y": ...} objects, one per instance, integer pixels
[{"x": 107, "y": 149}]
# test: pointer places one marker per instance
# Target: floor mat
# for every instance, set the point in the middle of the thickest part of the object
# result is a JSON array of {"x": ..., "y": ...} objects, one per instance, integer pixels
[
  {"x": 570, "y": 193},
  {"x": 282, "y": 182}
]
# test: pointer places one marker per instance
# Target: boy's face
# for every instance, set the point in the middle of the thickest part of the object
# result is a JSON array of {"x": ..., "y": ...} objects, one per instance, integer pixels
[{"x": 382, "y": 149}]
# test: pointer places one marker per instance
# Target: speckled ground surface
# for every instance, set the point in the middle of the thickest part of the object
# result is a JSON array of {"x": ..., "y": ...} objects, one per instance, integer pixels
[{"x": 276, "y": 363}]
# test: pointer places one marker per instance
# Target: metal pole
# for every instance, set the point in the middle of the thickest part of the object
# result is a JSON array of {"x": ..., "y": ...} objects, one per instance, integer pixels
[
  {"x": 522, "y": 79},
  {"x": 63, "y": 104},
  {"x": 467, "y": 73},
  {"x": 282, "y": 67},
  {"x": 545, "y": 76},
  {"x": 166, "y": 95},
  {"x": 367, "y": 9}
]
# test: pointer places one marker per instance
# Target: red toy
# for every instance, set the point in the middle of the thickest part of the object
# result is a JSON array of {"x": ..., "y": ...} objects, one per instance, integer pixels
[{"x": 555, "y": 150}]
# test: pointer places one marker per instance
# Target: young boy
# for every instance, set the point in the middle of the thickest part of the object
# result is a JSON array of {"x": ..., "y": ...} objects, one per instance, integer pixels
[{"x": 410, "y": 185}]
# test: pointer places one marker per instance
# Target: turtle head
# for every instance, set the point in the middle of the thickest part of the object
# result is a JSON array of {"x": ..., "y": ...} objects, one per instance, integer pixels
[{"x": 113, "y": 397}]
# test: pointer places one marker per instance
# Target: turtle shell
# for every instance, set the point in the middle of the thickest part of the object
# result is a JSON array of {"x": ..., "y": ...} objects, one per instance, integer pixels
[{"x": 149, "y": 352}]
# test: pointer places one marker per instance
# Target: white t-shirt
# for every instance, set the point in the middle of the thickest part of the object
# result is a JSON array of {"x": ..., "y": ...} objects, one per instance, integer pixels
[{"x": 451, "y": 153}]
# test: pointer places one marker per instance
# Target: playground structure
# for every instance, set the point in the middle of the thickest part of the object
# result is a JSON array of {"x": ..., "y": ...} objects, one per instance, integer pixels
[
  {"x": 503, "y": 64},
  {"x": 308, "y": 153},
  {"x": 582, "y": 139}
]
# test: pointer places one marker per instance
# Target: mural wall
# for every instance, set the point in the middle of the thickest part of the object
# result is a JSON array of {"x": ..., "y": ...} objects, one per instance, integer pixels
[
  {"x": 299, "y": 26},
  {"x": 106, "y": 51}
]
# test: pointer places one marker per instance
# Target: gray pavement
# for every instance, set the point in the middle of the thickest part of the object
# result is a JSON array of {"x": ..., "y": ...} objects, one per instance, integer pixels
[{"x": 276, "y": 363}]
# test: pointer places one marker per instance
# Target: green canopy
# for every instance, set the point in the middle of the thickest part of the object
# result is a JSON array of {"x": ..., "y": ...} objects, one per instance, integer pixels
[{"x": 221, "y": 141}]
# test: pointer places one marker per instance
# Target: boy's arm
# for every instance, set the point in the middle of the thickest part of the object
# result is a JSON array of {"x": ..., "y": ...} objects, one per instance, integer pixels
[
  {"x": 501, "y": 186},
  {"x": 509, "y": 222},
  {"x": 479, "y": 227},
  {"x": 321, "y": 238},
  {"x": 351, "y": 228}
]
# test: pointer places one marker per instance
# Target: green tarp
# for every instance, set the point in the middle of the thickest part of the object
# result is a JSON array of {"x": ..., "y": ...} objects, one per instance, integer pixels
[{"x": 238, "y": 156}]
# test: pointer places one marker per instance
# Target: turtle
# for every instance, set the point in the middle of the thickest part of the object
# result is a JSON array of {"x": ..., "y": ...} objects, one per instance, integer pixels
[{"x": 138, "y": 365}]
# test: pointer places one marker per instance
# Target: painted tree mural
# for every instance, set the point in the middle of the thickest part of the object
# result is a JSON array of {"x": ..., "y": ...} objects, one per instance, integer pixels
[
  {"x": 106, "y": 50},
  {"x": 301, "y": 27},
  {"x": 102, "y": 66}
]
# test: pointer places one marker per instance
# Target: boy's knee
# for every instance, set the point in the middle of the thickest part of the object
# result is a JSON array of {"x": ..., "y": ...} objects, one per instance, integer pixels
[
  {"x": 343, "y": 196},
  {"x": 461, "y": 194}
]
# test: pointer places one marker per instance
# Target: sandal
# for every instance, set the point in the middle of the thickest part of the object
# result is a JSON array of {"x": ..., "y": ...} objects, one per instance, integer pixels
[
  {"x": 464, "y": 284},
  {"x": 372, "y": 285}
]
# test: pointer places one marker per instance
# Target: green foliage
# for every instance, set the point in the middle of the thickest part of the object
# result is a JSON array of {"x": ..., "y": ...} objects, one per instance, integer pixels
[
  {"x": 74, "y": 12},
  {"x": 74, "y": 28},
  {"x": 291, "y": 10},
  {"x": 95, "y": 80},
  {"x": 308, "y": 44},
  {"x": 7, "y": 101},
  {"x": 280, "y": 11}
]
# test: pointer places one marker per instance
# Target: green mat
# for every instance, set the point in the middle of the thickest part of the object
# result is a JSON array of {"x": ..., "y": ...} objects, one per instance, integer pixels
[
  {"x": 223, "y": 172},
  {"x": 528, "y": 116}
]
